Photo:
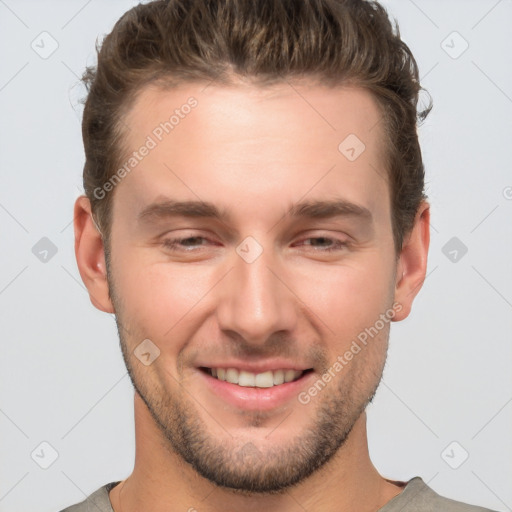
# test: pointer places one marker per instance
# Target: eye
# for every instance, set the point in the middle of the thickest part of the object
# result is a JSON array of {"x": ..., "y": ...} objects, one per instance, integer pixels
[
  {"x": 325, "y": 244},
  {"x": 184, "y": 244}
]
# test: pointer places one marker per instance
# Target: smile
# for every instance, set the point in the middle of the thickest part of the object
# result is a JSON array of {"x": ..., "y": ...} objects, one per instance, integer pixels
[{"x": 266, "y": 379}]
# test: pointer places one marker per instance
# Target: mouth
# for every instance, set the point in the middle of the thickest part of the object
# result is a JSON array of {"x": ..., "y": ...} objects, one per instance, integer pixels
[{"x": 267, "y": 379}]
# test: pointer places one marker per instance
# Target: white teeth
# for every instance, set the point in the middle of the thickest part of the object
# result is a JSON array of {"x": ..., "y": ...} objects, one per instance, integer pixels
[
  {"x": 246, "y": 379},
  {"x": 232, "y": 375},
  {"x": 278, "y": 377},
  {"x": 264, "y": 380},
  {"x": 289, "y": 375},
  {"x": 259, "y": 380}
]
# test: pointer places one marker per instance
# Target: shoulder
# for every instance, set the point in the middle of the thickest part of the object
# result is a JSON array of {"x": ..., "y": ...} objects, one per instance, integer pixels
[
  {"x": 417, "y": 496},
  {"x": 98, "y": 501}
]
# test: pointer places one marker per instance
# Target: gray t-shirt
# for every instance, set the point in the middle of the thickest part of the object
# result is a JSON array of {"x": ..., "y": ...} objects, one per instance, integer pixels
[{"x": 416, "y": 496}]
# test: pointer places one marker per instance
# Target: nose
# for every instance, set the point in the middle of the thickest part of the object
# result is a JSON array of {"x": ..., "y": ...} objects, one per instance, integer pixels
[{"x": 256, "y": 301}]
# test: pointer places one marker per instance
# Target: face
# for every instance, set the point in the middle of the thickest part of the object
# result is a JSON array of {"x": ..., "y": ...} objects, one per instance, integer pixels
[{"x": 246, "y": 245}]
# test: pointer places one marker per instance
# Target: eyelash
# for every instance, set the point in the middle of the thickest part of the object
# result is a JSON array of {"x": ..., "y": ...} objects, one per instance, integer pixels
[
  {"x": 337, "y": 244},
  {"x": 173, "y": 243}
]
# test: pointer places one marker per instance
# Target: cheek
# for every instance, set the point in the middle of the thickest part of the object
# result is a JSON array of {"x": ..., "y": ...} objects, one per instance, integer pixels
[
  {"x": 347, "y": 299},
  {"x": 156, "y": 298}
]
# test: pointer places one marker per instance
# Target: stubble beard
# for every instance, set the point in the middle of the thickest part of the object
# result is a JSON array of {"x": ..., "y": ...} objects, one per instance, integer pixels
[{"x": 245, "y": 467}]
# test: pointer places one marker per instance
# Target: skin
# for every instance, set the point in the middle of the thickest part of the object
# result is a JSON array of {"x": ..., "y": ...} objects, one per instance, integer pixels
[{"x": 254, "y": 152}]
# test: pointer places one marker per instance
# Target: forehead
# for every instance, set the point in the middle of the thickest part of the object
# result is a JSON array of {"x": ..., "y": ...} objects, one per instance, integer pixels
[
  {"x": 263, "y": 109},
  {"x": 246, "y": 142}
]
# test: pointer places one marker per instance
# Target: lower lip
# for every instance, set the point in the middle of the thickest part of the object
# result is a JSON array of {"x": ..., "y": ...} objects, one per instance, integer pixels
[{"x": 252, "y": 398}]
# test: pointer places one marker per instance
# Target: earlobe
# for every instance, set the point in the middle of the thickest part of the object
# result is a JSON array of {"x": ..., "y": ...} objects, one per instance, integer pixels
[
  {"x": 90, "y": 255},
  {"x": 412, "y": 262}
]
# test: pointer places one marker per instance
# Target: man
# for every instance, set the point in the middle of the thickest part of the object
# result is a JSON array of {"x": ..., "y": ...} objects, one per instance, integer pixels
[{"x": 255, "y": 218}]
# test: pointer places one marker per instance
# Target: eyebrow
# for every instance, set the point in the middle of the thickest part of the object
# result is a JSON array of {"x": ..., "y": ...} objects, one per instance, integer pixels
[
  {"x": 320, "y": 209},
  {"x": 329, "y": 208}
]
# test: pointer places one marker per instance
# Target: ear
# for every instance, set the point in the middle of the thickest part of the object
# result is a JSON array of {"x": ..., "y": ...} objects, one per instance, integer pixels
[
  {"x": 412, "y": 262},
  {"x": 90, "y": 256}
]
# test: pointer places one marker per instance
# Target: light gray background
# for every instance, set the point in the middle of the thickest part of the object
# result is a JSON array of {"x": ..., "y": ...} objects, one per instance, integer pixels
[{"x": 448, "y": 376}]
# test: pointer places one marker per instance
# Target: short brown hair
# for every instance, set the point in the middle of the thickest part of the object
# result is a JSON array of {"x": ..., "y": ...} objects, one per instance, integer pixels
[{"x": 333, "y": 41}]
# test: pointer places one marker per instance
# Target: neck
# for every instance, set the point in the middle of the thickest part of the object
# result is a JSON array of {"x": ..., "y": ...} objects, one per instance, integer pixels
[{"x": 162, "y": 481}]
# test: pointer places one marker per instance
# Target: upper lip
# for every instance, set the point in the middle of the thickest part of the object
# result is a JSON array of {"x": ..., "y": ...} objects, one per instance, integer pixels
[{"x": 258, "y": 367}]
